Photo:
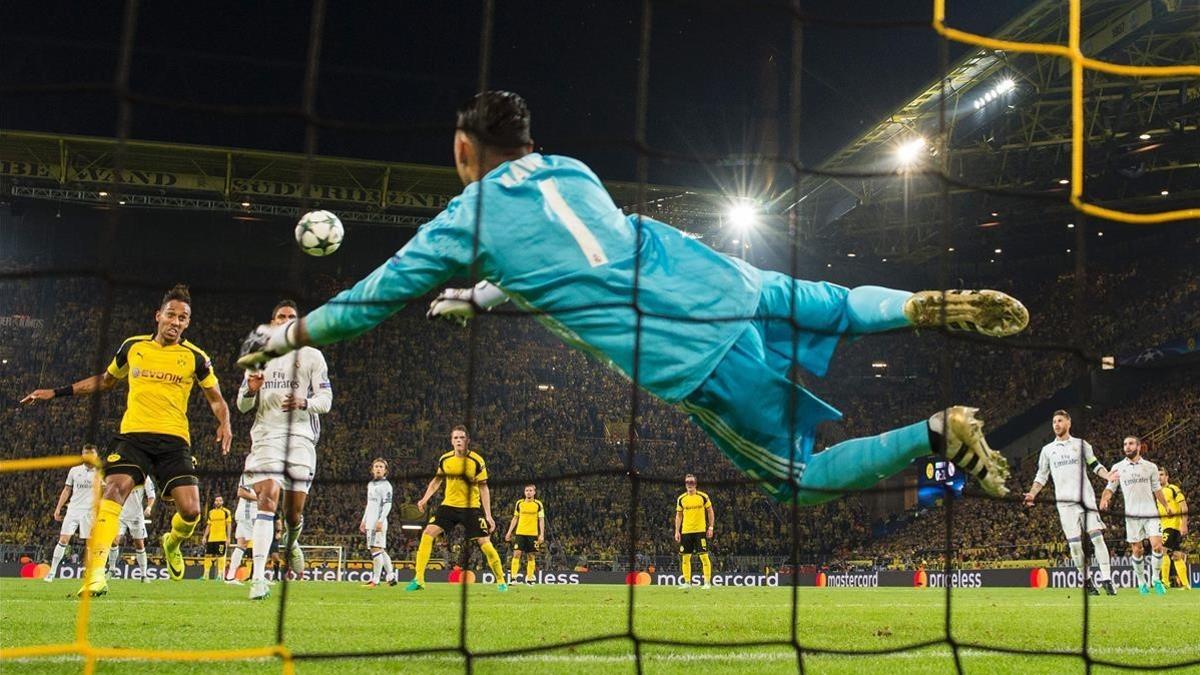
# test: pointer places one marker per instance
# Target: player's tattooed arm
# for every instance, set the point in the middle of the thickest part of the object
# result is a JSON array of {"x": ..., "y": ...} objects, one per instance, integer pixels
[{"x": 220, "y": 410}]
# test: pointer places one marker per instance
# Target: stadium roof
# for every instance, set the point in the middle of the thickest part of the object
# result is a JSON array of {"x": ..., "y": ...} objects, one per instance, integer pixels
[
  {"x": 1007, "y": 128},
  {"x": 82, "y": 169}
]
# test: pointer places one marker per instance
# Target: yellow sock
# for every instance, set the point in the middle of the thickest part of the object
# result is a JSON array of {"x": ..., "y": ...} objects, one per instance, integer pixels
[
  {"x": 687, "y": 569},
  {"x": 515, "y": 566},
  {"x": 221, "y": 567},
  {"x": 1165, "y": 568},
  {"x": 1182, "y": 571},
  {"x": 529, "y": 568},
  {"x": 706, "y": 563},
  {"x": 207, "y": 566},
  {"x": 182, "y": 529},
  {"x": 423, "y": 553},
  {"x": 493, "y": 560},
  {"x": 104, "y": 533}
]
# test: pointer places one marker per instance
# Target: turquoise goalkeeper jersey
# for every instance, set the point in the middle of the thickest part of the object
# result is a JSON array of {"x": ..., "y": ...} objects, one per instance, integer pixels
[{"x": 549, "y": 235}]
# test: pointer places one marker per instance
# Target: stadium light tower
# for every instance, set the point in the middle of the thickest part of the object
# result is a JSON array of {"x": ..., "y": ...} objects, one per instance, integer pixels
[
  {"x": 909, "y": 151},
  {"x": 743, "y": 215}
]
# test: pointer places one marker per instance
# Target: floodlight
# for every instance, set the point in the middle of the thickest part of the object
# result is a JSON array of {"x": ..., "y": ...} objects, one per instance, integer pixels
[
  {"x": 742, "y": 215},
  {"x": 908, "y": 151}
]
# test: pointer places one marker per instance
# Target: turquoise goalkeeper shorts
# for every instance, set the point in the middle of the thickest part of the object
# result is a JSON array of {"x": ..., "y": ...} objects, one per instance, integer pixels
[{"x": 762, "y": 421}]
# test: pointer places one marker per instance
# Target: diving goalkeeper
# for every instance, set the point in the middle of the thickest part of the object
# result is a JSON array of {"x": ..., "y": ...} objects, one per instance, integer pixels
[{"x": 716, "y": 334}]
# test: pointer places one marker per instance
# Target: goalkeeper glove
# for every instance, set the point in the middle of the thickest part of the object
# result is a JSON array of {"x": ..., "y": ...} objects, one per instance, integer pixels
[
  {"x": 265, "y": 343},
  {"x": 460, "y": 304}
]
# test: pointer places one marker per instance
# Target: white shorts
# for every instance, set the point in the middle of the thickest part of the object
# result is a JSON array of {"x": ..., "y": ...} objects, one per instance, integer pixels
[
  {"x": 135, "y": 528},
  {"x": 244, "y": 530},
  {"x": 77, "y": 520},
  {"x": 377, "y": 539},
  {"x": 1072, "y": 517},
  {"x": 1137, "y": 529},
  {"x": 290, "y": 461}
]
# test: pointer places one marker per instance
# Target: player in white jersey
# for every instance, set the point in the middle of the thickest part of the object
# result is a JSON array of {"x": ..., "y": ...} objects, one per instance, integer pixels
[
  {"x": 288, "y": 395},
  {"x": 243, "y": 518},
  {"x": 133, "y": 521},
  {"x": 80, "y": 513},
  {"x": 374, "y": 522},
  {"x": 1068, "y": 459},
  {"x": 1138, "y": 479}
]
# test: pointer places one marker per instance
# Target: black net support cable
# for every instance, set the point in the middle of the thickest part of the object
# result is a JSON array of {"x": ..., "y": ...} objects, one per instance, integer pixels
[{"x": 126, "y": 99}]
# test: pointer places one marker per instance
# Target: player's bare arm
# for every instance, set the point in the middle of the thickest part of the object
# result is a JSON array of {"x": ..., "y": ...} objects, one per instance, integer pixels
[
  {"x": 62, "y": 500},
  {"x": 84, "y": 387},
  {"x": 1033, "y": 493},
  {"x": 678, "y": 524},
  {"x": 430, "y": 490},
  {"x": 711, "y": 518},
  {"x": 485, "y": 500},
  {"x": 512, "y": 525},
  {"x": 220, "y": 410},
  {"x": 1105, "y": 498}
]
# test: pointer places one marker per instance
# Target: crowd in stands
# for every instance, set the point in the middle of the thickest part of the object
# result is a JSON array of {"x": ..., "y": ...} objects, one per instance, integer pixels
[{"x": 539, "y": 412}]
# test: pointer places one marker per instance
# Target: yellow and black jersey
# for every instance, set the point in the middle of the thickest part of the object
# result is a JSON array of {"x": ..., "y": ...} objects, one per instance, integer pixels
[
  {"x": 1175, "y": 498},
  {"x": 160, "y": 382},
  {"x": 218, "y": 522},
  {"x": 693, "y": 507},
  {"x": 528, "y": 512},
  {"x": 463, "y": 476}
]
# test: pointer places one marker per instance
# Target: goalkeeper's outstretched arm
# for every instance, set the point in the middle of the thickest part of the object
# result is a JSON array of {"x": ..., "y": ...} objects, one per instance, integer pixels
[{"x": 442, "y": 248}]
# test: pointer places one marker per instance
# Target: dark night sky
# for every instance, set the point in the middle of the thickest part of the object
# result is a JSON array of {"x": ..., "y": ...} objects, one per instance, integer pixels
[{"x": 410, "y": 63}]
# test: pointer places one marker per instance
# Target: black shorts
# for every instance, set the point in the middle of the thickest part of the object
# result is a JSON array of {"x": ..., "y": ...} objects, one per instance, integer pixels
[
  {"x": 214, "y": 548},
  {"x": 472, "y": 520},
  {"x": 693, "y": 542},
  {"x": 1172, "y": 540},
  {"x": 525, "y": 543},
  {"x": 168, "y": 459}
]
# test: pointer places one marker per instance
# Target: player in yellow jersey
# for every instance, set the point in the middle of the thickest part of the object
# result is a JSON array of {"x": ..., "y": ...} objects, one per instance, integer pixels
[
  {"x": 1175, "y": 529},
  {"x": 467, "y": 502},
  {"x": 529, "y": 522},
  {"x": 693, "y": 528},
  {"x": 153, "y": 439},
  {"x": 216, "y": 537}
]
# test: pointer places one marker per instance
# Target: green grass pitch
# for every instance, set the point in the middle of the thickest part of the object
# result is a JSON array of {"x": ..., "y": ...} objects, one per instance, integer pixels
[{"x": 328, "y": 617}]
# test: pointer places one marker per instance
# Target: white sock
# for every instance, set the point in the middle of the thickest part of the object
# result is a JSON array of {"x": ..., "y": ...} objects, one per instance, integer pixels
[
  {"x": 377, "y": 558},
  {"x": 1077, "y": 555},
  {"x": 387, "y": 566},
  {"x": 141, "y": 561},
  {"x": 1102, "y": 557},
  {"x": 235, "y": 561},
  {"x": 1137, "y": 571},
  {"x": 59, "y": 552},
  {"x": 114, "y": 554},
  {"x": 264, "y": 531},
  {"x": 1155, "y": 567}
]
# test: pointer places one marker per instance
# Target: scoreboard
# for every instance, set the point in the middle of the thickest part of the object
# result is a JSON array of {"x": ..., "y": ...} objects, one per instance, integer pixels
[{"x": 937, "y": 479}]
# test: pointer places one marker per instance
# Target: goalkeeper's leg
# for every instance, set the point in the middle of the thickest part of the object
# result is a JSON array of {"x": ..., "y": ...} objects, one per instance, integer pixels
[
  {"x": 859, "y": 463},
  {"x": 822, "y": 307}
]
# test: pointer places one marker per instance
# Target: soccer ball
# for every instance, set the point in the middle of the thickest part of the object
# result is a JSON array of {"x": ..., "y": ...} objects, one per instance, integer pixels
[{"x": 319, "y": 233}]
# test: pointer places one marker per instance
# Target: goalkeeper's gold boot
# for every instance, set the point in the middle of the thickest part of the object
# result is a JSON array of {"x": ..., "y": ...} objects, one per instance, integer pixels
[
  {"x": 174, "y": 557},
  {"x": 95, "y": 585},
  {"x": 968, "y": 449},
  {"x": 990, "y": 313}
]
